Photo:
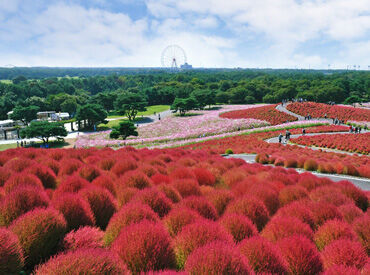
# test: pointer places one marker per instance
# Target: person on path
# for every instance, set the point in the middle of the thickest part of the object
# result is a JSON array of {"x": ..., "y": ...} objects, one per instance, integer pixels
[
  {"x": 280, "y": 137},
  {"x": 303, "y": 131}
]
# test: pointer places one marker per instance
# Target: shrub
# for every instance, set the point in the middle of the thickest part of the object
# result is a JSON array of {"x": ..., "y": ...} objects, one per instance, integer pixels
[
  {"x": 308, "y": 181},
  {"x": 84, "y": 237},
  {"x": 329, "y": 194},
  {"x": 229, "y": 151},
  {"x": 333, "y": 230},
  {"x": 200, "y": 205},
  {"x": 22, "y": 179},
  {"x": 127, "y": 215},
  {"x": 106, "y": 182},
  {"x": 187, "y": 187},
  {"x": 345, "y": 252},
  {"x": 217, "y": 258},
  {"x": 281, "y": 227},
  {"x": 69, "y": 166},
  {"x": 362, "y": 228},
  {"x": 136, "y": 179},
  {"x": 310, "y": 165},
  {"x": 89, "y": 172},
  {"x": 252, "y": 208},
  {"x": 220, "y": 199},
  {"x": 204, "y": 176},
  {"x": 323, "y": 212},
  {"x": 354, "y": 193},
  {"x": 170, "y": 192},
  {"x": 75, "y": 210},
  {"x": 84, "y": 261},
  {"x": 124, "y": 194},
  {"x": 123, "y": 166},
  {"x": 71, "y": 184},
  {"x": 4, "y": 175},
  {"x": 263, "y": 256},
  {"x": 239, "y": 226},
  {"x": 196, "y": 235},
  {"x": 233, "y": 176},
  {"x": 160, "y": 179},
  {"x": 299, "y": 211},
  {"x": 178, "y": 218},
  {"x": 342, "y": 269},
  {"x": 291, "y": 193},
  {"x": 155, "y": 200},
  {"x": 350, "y": 212},
  {"x": 18, "y": 164},
  {"x": 182, "y": 173},
  {"x": 267, "y": 195},
  {"x": 145, "y": 246},
  {"x": 101, "y": 203},
  {"x": 106, "y": 164},
  {"x": 301, "y": 255},
  {"x": 11, "y": 254},
  {"x": 39, "y": 232},
  {"x": 45, "y": 174},
  {"x": 20, "y": 201}
]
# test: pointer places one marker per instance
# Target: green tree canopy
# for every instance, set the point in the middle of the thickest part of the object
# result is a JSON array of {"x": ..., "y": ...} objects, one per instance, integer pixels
[
  {"x": 44, "y": 130},
  {"x": 69, "y": 105},
  {"x": 93, "y": 113},
  {"x": 125, "y": 129},
  {"x": 184, "y": 105},
  {"x": 25, "y": 114},
  {"x": 204, "y": 97},
  {"x": 129, "y": 104}
]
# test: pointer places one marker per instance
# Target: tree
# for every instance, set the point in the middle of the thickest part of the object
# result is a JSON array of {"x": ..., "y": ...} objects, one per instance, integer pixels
[
  {"x": 184, "y": 105},
  {"x": 93, "y": 113},
  {"x": 69, "y": 105},
  {"x": 124, "y": 130},
  {"x": 204, "y": 98},
  {"x": 25, "y": 114},
  {"x": 44, "y": 130},
  {"x": 129, "y": 104}
]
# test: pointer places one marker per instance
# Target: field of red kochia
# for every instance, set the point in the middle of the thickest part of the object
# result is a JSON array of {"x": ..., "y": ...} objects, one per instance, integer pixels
[
  {"x": 267, "y": 113},
  {"x": 358, "y": 143},
  {"x": 318, "y": 110},
  {"x": 131, "y": 211}
]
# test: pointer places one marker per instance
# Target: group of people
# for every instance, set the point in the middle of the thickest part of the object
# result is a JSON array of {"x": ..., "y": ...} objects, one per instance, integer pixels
[
  {"x": 308, "y": 117},
  {"x": 287, "y": 136},
  {"x": 355, "y": 129}
]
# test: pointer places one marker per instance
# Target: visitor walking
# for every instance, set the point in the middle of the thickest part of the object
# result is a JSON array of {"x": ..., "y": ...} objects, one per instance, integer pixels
[
  {"x": 280, "y": 137},
  {"x": 303, "y": 131}
]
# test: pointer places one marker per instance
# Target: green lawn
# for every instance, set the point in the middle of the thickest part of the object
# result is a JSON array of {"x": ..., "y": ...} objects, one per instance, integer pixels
[
  {"x": 4, "y": 147},
  {"x": 149, "y": 111},
  {"x": 6, "y": 81}
]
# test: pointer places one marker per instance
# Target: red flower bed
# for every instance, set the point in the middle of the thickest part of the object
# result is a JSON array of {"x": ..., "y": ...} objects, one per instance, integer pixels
[
  {"x": 318, "y": 110},
  {"x": 358, "y": 143},
  {"x": 197, "y": 212},
  {"x": 267, "y": 113}
]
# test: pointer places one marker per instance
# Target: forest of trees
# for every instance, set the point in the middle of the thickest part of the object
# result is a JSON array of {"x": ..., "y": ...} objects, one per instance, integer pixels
[{"x": 68, "y": 94}]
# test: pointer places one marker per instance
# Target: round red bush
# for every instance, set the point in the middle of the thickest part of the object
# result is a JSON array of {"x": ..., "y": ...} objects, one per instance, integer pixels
[
  {"x": 89, "y": 172},
  {"x": 106, "y": 164},
  {"x": 239, "y": 226},
  {"x": 136, "y": 179},
  {"x": 124, "y": 194},
  {"x": 350, "y": 212},
  {"x": 101, "y": 203},
  {"x": 4, "y": 175},
  {"x": 84, "y": 237},
  {"x": 362, "y": 228},
  {"x": 342, "y": 269},
  {"x": 145, "y": 246},
  {"x": 292, "y": 193},
  {"x": 331, "y": 231},
  {"x": 18, "y": 164},
  {"x": 200, "y": 205},
  {"x": 345, "y": 252},
  {"x": 75, "y": 210},
  {"x": 217, "y": 258},
  {"x": 94, "y": 261},
  {"x": 71, "y": 184},
  {"x": 329, "y": 194},
  {"x": 170, "y": 192},
  {"x": 310, "y": 165},
  {"x": 106, "y": 182},
  {"x": 267, "y": 195},
  {"x": 204, "y": 176},
  {"x": 155, "y": 200},
  {"x": 233, "y": 176},
  {"x": 263, "y": 256},
  {"x": 220, "y": 199},
  {"x": 69, "y": 166},
  {"x": 178, "y": 218},
  {"x": 39, "y": 232},
  {"x": 45, "y": 174},
  {"x": 297, "y": 210},
  {"x": 252, "y": 208},
  {"x": 308, "y": 181},
  {"x": 160, "y": 179},
  {"x": 182, "y": 173},
  {"x": 11, "y": 254},
  {"x": 124, "y": 165},
  {"x": 187, "y": 187},
  {"x": 127, "y": 215},
  {"x": 354, "y": 193},
  {"x": 281, "y": 227},
  {"x": 21, "y": 200},
  {"x": 196, "y": 235},
  {"x": 22, "y": 179},
  {"x": 301, "y": 255}
]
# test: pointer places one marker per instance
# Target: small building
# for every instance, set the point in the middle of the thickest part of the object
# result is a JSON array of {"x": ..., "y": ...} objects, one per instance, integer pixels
[
  {"x": 60, "y": 116},
  {"x": 9, "y": 123},
  {"x": 47, "y": 115},
  {"x": 186, "y": 66}
]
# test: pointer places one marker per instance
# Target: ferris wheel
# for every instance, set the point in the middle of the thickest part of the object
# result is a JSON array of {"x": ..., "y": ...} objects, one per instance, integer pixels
[{"x": 173, "y": 57}]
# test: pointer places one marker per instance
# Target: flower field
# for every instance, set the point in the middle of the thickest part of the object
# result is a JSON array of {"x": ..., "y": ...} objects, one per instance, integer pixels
[
  {"x": 358, "y": 143},
  {"x": 318, "y": 110},
  {"x": 267, "y": 113},
  {"x": 290, "y": 156},
  {"x": 173, "y": 128},
  {"x": 129, "y": 211}
]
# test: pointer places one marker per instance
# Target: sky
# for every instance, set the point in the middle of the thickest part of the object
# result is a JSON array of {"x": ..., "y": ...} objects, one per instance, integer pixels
[{"x": 213, "y": 33}]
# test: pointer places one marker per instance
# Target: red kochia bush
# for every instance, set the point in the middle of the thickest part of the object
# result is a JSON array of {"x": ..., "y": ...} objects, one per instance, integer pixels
[
  {"x": 71, "y": 184},
  {"x": 301, "y": 255},
  {"x": 45, "y": 174},
  {"x": 89, "y": 172},
  {"x": 263, "y": 256},
  {"x": 200, "y": 205},
  {"x": 220, "y": 199},
  {"x": 239, "y": 226},
  {"x": 357, "y": 195},
  {"x": 145, "y": 246},
  {"x": 4, "y": 175},
  {"x": 170, "y": 192},
  {"x": 346, "y": 252},
  {"x": 350, "y": 212},
  {"x": 204, "y": 176},
  {"x": 196, "y": 235},
  {"x": 69, "y": 166},
  {"x": 20, "y": 201},
  {"x": 136, "y": 179},
  {"x": 297, "y": 210},
  {"x": 39, "y": 232},
  {"x": 11, "y": 254},
  {"x": 106, "y": 182},
  {"x": 362, "y": 228},
  {"x": 129, "y": 214},
  {"x": 333, "y": 230},
  {"x": 281, "y": 227},
  {"x": 342, "y": 269},
  {"x": 187, "y": 187},
  {"x": 21, "y": 179},
  {"x": 123, "y": 166},
  {"x": 178, "y": 218},
  {"x": 155, "y": 200},
  {"x": 75, "y": 210},
  {"x": 217, "y": 258},
  {"x": 84, "y": 237},
  {"x": 252, "y": 208},
  {"x": 102, "y": 204},
  {"x": 291, "y": 193},
  {"x": 18, "y": 164},
  {"x": 124, "y": 194},
  {"x": 267, "y": 195},
  {"x": 84, "y": 261},
  {"x": 160, "y": 179}
]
